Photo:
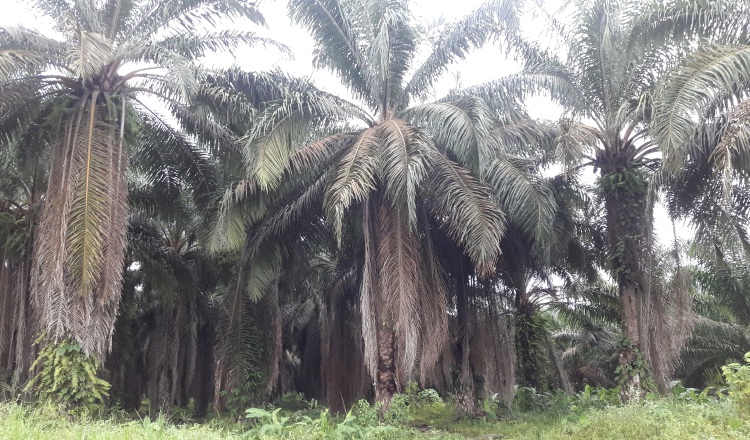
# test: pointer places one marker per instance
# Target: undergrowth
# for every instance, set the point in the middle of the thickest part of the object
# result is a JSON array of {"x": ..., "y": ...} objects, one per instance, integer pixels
[{"x": 591, "y": 414}]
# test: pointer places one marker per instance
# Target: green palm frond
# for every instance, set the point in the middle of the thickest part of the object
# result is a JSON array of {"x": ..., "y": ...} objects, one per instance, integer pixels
[
  {"x": 267, "y": 156},
  {"x": 527, "y": 138},
  {"x": 154, "y": 17},
  {"x": 467, "y": 209},
  {"x": 91, "y": 54},
  {"x": 20, "y": 38},
  {"x": 538, "y": 77},
  {"x": 166, "y": 155},
  {"x": 337, "y": 42},
  {"x": 262, "y": 272},
  {"x": 575, "y": 142},
  {"x": 389, "y": 55},
  {"x": 316, "y": 155},
  {"x": 196, "y": 46},
  {"x": 354, "y": 178},
  {"x": 460, "y": 38},
  {"x": 599, "y": 33},
  {"x": 402, "y": 164},
  {"x": 287, "y": 123},
  {"x": 462, "y": 127},
  {"x": 720, "y": 21},
  {"x": 524, "y": 198},
  {"x": 302, "y": 208},
  {"x": 709, "y": 71}
]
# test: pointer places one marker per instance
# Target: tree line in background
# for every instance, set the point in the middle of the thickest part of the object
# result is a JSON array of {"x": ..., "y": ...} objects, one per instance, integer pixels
[{"x": 205, "y": 237}]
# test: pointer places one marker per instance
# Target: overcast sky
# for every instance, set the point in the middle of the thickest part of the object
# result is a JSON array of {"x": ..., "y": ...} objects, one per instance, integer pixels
[{"x": 483, "y": 65}]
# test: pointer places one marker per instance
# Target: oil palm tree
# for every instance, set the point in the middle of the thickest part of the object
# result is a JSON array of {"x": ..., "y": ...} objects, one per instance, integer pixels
[
  {"x": 83, "y": 95},
  {"x": 700, "y": 120},
  {"x": 384, "y": 172},
  {"x": 721, "y": 283},
  {"x": 606, "y": 88},
  {"x": 19, "y": 201},
  {"x": 164, "y": 334}
]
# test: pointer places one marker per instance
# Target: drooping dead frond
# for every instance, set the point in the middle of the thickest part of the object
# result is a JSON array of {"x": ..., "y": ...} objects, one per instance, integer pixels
[
  {"x": 398, "y": 299},
  {"x": 80, "y": 245},
  {"x": 16, "y": 332},
  {"x": 667, "y": 317},
  {"x": 369, "y": 290},
  {"x": 433, "y": 295}
]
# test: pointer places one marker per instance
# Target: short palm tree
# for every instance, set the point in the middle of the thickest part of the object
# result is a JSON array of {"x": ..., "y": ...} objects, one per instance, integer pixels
[
  {"x": 83, "y": 96},
  {"x": 20, "y": 193},
  {"x": 721, "y": 295},
  {"x": 397, "y": 169}
]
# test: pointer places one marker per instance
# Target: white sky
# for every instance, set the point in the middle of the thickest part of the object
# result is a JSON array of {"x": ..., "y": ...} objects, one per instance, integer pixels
[{"x": 483, "y": 65}]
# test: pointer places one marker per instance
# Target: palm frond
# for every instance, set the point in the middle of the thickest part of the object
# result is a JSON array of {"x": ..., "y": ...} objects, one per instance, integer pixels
[
  {"x": 398, "y": 256},
  {"x": 460, "y": 38},
  {"x": 711, "y": 70},
  {"x": 403, "y": 166},
  {"x": 354, "y": 178},
  {"x": 525, "y": 198},
  {"x": 465, "y": 206},
  {"x": 154, "y": 18},
  {"x": 337, "y": 45},
  {"x": 389, "y": 55},
  {"x": 462, "y": 127}
]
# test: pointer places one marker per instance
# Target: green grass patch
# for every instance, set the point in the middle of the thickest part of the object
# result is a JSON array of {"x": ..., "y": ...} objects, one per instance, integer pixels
[{"x": 662, "y": 419}]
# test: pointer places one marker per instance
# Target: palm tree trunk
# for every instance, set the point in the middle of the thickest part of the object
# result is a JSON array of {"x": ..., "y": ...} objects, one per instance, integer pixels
[
  {"x": 386, "y": 385},
  {"x": 378, "y": 327},
  {"x": 625, "y": 205},
  {"x": 466, "y": 404},
  {"x": 557, "y": 362}
]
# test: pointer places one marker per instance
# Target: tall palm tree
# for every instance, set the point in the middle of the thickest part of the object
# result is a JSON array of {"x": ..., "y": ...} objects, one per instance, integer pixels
[
  {"x": 83, "y": 95},
  {"x": 395, "y": 171},
  {"x": 700, "y": 120},
  {"x": 606, "y": 88},
  {"x": 163, "y": 338}
]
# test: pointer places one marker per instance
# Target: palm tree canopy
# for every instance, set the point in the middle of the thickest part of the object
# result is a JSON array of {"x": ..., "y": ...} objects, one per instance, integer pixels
[
  {"x": 701, "y": 105},
  {"x": 79, "y": 95},
  {"x": 387, "y": 171}
]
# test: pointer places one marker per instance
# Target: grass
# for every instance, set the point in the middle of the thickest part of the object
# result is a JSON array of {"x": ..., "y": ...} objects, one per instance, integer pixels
[
  {"x": 652, "y": 420},
  {"x": 664, "y": 419},
  {"x": 46, "y": 422}
]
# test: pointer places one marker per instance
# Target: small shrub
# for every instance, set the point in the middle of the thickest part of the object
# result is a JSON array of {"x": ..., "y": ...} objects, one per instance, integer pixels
[
  {"x": 428, "y": 396},
  {"x": 67, "y": 376},
  {"x": 414, "y": 407},
  {"x": 366, "y": 414},
  {"x": 248, "y": 393},
  {"x": 398, "y": 411},
  {"x": 272, "y": 424},
  {"x": 525, "y": 399},
  {"x": 738, "y": 378}
]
